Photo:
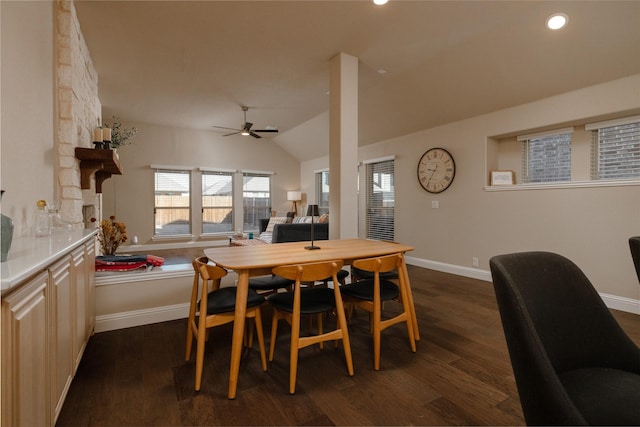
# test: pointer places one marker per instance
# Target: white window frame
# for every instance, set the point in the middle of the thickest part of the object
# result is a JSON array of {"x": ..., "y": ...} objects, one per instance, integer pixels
[
  {"x": 250, "y": 214},
  {"x": 205, "y": 206},
  {"x": 181, "y": 171}
]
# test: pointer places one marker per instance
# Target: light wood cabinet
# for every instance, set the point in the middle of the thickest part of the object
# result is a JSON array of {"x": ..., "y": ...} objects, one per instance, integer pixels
[
  {"x": 25, "y": 366},
  {"x": 61, "y": 324},
  {"x": 46, "y": 323}
]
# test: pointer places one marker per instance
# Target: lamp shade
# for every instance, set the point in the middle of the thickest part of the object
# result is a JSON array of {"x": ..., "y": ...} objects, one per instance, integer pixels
[
  {"x": 294, "y": 196},
  {"x": 312, "y": 210}
]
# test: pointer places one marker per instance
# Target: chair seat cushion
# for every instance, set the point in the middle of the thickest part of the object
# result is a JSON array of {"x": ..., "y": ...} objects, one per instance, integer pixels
[
  {"x": 364, "y": 290},
  {"x": 224, "y": 299},
  {"x": 604, "y": 396},
  {"x": 263, "y": 283},
  {"x": 341, "y": 275},
  {"x": 364, "y": 274},
  {"x": 312, "y": 300}
]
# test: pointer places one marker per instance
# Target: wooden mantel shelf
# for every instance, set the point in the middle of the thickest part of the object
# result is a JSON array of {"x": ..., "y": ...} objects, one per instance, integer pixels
[{"x": 103, "y": 163}]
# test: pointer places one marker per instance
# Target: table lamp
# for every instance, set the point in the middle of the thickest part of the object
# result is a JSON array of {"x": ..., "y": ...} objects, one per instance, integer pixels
[
  {"x": 312, "y": 211},
  {"x": 295, "y": 197}
]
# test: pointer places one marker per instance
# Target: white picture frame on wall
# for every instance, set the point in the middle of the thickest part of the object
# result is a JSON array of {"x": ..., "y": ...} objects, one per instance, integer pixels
[{"x": 503, "y": 177}]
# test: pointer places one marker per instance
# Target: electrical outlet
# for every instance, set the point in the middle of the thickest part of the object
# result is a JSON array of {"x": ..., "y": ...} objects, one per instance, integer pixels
[
  {"x": 435, "y": 204},
  {"x": 475, "y": 262}
]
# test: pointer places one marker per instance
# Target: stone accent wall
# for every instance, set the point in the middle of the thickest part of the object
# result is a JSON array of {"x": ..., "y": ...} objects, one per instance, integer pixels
[{"x": 78, "y": 111}]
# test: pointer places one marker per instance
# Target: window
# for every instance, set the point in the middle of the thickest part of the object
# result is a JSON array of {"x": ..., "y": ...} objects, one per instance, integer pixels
[
  {"x": 217, "y": 202},
  {"x": 546, "y": 157},
  {"x": 615, "y": 152},
  {"x": 256, "y": 195},
  {"x": 322, "y": 191},
  {"x": 380, "y": 200},
  {"x": 172, "y": 207}
]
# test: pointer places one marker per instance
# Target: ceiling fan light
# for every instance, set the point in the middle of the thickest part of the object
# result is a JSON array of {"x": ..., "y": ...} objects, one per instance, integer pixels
[{"x": 245, "y": 133}]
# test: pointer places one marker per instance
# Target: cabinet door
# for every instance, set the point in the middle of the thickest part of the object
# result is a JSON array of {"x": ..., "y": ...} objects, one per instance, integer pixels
[
  {"x": 25, "y": 385},
  {"x": 62, "y": 318},
  {"x": 80, "y": 288},
  {"x": 90, "y": 248}
]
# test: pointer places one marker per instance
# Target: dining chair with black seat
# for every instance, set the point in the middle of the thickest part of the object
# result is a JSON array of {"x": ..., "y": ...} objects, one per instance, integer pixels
[
  {"x": 369, "y": 294},
  {"x": 572, "y": 362},
  {"x": 216, "y": 307},
  {"x": 266, "y": 285},
  {"x": 358, "y": 274},
  {"x": 634, "y": 246},
  {"x": 291, "y": 306}
]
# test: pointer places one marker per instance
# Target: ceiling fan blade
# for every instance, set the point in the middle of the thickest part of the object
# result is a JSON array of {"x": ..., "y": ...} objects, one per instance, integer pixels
[
  {"x": 247, "y": 126},
  {"x": 222, "y": 127},
  {"x": 255, "y": 135},
  {"x": 266, "y": 130},
  {"x": 232, "y": 133}
]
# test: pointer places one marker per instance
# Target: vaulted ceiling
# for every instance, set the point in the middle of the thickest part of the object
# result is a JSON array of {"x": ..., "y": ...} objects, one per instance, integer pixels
[{"x": 193, "y": 64}]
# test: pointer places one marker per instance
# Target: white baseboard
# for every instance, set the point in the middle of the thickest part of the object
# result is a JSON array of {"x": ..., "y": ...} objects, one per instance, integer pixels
[
  {"x": 474, "y": 273},
  {"x": 128, "y": 319},
  {"x": 614, "y": 302},
  {"x": 621, "y": 303}
]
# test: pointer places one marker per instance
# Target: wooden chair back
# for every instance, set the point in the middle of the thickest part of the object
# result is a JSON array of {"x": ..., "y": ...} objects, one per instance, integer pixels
[
  {"x": 374, "y": 306},
  {"x": 302, "y": 273}
]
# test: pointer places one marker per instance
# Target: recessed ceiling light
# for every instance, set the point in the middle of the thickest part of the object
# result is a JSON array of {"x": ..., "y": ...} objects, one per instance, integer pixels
[
  {"x": 381, "y": 71},
  {"x": 557, "y": 21},
  {"x": 380, "y": 2}
]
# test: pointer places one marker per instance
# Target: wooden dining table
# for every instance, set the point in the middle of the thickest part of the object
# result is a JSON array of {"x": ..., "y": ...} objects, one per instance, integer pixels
[{"x": 249, "y": 261}]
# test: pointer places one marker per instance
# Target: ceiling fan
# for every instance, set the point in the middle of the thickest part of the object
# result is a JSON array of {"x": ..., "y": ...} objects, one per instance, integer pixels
[{"x": 246, "y": 128}]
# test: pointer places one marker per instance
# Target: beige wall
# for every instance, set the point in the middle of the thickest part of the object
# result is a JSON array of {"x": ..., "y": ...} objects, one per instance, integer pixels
[
  {"x": 49, "y": 105},
  {"x": 591, "y": 226},
  {"x": 28, "y": 108},
  {"x": 130, "y": 196}
]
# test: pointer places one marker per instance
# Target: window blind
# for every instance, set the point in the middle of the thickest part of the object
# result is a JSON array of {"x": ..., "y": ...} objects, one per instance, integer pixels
[
  {"x": 380, "y": 200},
  {"x": 546, "y": 158},
  {"x": 616, "y": 152},
  {"x": 322, "y": 191},
  {"x": 256, "y": 195}
]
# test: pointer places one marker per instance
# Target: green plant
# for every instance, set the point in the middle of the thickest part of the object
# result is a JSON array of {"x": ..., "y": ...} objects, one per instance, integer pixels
[{"x": 119, "y": 135}]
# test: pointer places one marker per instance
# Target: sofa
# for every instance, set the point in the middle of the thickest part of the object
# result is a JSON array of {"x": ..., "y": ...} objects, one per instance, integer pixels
[{"x": 293, "y": 232}]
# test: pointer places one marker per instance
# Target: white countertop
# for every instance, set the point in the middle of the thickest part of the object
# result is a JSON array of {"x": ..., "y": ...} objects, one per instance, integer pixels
[{"x": 30, "y": 255}]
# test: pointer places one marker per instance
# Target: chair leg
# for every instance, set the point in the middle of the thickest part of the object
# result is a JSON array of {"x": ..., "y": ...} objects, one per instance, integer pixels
[
  {"x": 263, "y": 356},
  {"x": 200, "y": 355},
  {"x": 293, "y": 357},
  {"x": 187, "y": 355},
  {"x": 377, "y": 317},
  {"x": 274, "y": 331}
]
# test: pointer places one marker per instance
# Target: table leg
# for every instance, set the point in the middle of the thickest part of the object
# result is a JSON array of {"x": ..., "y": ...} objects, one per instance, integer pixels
[
  {"x": 238, "y": 330},
  {"x": 412, "y": 307}
]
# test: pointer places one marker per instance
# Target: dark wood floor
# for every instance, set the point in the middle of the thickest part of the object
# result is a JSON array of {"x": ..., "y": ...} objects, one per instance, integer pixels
[{"x": 460, "y": 375}]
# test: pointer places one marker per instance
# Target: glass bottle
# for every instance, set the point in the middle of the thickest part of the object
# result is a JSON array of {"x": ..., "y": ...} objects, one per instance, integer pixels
[
  {"x": 41, "y": 220},
  {"x": 57, "y": 223}
]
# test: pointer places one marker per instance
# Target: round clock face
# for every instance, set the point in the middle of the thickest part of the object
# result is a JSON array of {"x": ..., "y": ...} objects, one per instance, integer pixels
[{"x": 436, "y": 170}]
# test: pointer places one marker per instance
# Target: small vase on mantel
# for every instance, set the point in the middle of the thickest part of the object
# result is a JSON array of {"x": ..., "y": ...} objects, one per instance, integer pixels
[{"x": 6, "y": 234}]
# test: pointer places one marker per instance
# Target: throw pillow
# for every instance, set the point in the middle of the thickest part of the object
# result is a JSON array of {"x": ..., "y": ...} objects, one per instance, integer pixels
[
  {"x": 275, "y": 220},
  {"x": 323, "y": 218}
]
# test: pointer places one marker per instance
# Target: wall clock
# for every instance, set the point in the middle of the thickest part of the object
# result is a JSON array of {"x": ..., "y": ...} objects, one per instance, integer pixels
[{"x": 436, "y": 170}]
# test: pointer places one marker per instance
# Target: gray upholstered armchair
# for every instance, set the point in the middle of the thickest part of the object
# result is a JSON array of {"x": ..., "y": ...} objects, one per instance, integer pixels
[{"x": 573, "y": 364}]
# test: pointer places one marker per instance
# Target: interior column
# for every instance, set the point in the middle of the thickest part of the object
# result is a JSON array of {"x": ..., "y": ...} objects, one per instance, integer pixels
[{"x": 343, "y": 147}]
